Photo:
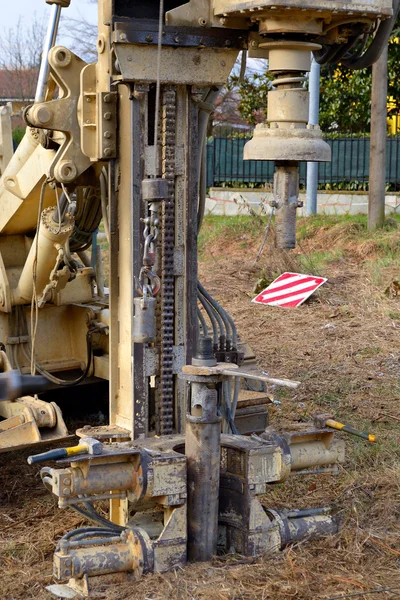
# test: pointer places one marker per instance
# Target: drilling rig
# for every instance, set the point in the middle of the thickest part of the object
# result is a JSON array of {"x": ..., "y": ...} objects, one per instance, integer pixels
[{"x": 123, "y": 140}]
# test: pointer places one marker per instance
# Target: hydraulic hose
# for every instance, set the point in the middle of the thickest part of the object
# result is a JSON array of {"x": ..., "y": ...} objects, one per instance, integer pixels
[
  {"x": 203, "y": 323},
  {"x": 222, "y": 335},
  {"x": 231, "y": 332},
  {"x": 380, "y": 40},
  {"x": 212, "y": 318}
]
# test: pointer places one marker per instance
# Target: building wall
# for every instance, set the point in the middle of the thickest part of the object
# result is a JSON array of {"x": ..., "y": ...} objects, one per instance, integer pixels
[{"x": 231, "y": 201}]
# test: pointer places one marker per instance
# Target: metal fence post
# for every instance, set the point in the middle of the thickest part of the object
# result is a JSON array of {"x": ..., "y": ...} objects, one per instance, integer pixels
[{"x": 312, "y": 167}]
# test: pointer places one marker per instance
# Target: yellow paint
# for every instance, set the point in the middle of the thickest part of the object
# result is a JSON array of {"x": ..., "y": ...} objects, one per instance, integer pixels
[
  {"x": 73, "y": 450},
  {"x": 335, "y": 424}
]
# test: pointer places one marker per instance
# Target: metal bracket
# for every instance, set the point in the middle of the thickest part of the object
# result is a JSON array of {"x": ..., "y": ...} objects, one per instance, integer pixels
[
  {"x": 97, "y": 117},
  {"x": 62, "y": 115}
]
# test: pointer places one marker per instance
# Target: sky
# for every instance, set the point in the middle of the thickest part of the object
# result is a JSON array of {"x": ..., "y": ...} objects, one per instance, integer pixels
[{"x": 24, "y": 9}]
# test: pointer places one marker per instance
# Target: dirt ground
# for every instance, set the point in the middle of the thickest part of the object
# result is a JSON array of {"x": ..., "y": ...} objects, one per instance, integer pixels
[{"x": 344, "y": 347}]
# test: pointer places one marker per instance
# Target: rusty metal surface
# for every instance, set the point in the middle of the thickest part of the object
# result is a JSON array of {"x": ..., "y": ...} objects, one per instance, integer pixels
[{"x": 146, "y": 32}]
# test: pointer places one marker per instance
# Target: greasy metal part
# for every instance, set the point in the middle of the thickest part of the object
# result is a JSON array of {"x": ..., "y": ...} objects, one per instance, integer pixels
[
  {"x": 204, "y": 353},
  {"x": 202, "y": 450},
  {"x": 248, "y": 466},
  {"x": 285, "y": 202},
  {"x": 233, "y": 370},
  {"x": 295, "y": 528},
  {"x": 310, "y": 449},
  {"x": 51, "y": 35},
  {"x": 126, "y": 552},
  {"x": 144, "y": 320},
  {"x": 287, "y": 139}
]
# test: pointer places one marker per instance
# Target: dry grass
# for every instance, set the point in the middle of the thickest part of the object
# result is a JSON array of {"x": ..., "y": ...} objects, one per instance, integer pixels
[{"x": 350, "y": 370}]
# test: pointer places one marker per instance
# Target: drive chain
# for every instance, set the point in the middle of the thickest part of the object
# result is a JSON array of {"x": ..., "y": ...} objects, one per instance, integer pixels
[{"x": 166, "y": 396}]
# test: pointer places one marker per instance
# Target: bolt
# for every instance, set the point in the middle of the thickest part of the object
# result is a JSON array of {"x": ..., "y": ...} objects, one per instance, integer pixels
[
  {"x": 43, "y": 115},
  {"x": 122, "y": 37},
  {"x": 228, "y": 43},
  {"x": 223, "y": 63},
  {"x": 176, "y": 39},
  {"x": 67, "y": 481},
  {"x": 107, "y": 116},
  {"x": 107, "y": 98},
  {"x": 202, "y": 22},
  {"x": 149, "y": 38},
  {"x": 254, "y": 44},
  {"x": 67, "y": 573},
  {"x": 88, "y": 99},
  {"x": 129, "y": 59},
  {"x": 66, "y": 492},
  {"x": 107, "y": 134},
  {"x": 107, "y": 152},
  {"x": 68, "y": 562}
]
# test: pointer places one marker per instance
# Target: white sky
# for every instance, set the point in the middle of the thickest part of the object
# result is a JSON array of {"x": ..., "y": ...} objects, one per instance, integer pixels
[{"x": 13, "y": 10}]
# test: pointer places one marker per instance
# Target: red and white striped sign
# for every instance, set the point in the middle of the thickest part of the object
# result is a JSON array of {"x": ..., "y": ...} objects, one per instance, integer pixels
[{"x": 289, "y": 290}]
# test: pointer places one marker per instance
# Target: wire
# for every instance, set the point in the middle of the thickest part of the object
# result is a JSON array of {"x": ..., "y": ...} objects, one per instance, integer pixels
[
  {"x": 34, "y": 302},
  {"x": 158, "y": 86}
]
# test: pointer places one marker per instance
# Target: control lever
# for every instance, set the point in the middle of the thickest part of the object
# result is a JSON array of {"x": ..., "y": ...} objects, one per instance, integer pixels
[{"x": 85, "y": 446}]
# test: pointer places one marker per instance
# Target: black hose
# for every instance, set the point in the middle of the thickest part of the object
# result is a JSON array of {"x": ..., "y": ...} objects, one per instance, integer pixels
[
  {"x": 379, "y": 42},
  {"x": 203, "y": 323},
  {"x": 65, "y": 382},
  {"x": 212, "y": 318},
  {"x": 87, "y": 531},
  {"x": 222, "y": 336},
  {"x": 228, "y": 321}
]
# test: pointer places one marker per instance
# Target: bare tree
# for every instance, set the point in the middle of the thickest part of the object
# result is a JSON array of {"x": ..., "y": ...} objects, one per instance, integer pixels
[
  {"x": 20, "y": 54},
  {"x": 82, "y": 36}
]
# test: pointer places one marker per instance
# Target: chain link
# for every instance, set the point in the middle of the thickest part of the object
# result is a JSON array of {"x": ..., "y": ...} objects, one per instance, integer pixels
[{"x": 148, "y": 283}]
